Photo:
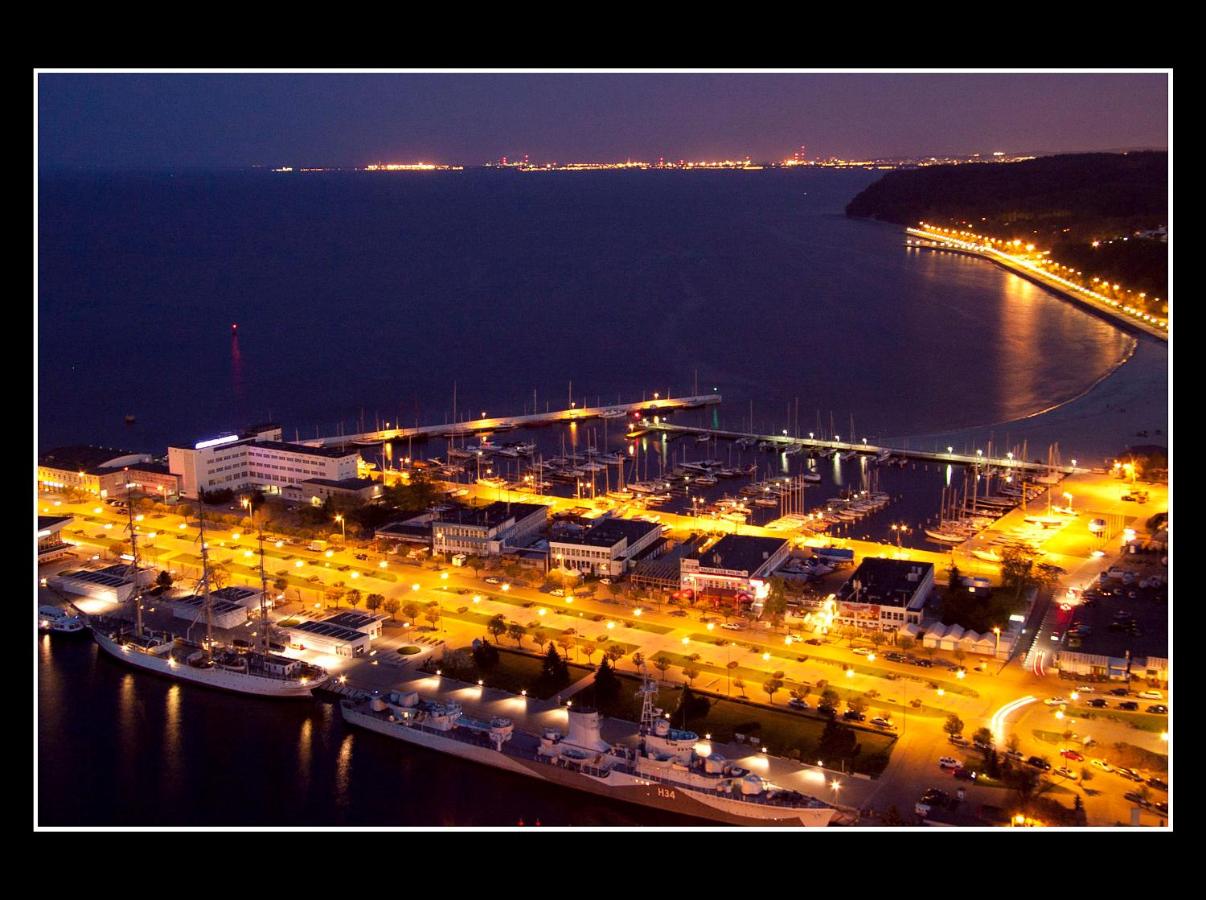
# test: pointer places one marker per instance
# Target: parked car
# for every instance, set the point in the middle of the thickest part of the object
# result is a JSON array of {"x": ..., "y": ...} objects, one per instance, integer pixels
[
  {"x": 1150, "y": 695},
  {"x": 1161, "y": 807},
  {"x": 1073, "y": 755},
  {"x": 1129, "y": 706},
  {"x": 1101, "y": 764},
  {"x": 860, "y": 651},
  {"x": 924, "y": 663},
  {"x": 1015, "y": 755},
  {"x": 1137, "y": 799},
  {"x": 1158, "y": 709},
  {"x": 797, "y": 703},
  {"x": 361, "y": 555},
  {"x": 853, "y": 715},
  {"x": 882, "y": 722},
  {"x": 894, "y": 656},
  {"x": 827, "y": 711},
  {"x": 1130, "y": 774},
  {"x": 492, "y": 580},
  {"x": 958, "y": 740},
  {"x": 1065, "y": 772},
  {"x": 949, "y": 762},
  {"x": 1039, "y": 763},
  {"x": 733, "y": 626},
  {"x": 965, "y": 775},
  {"x": 557, "y": 592},
  {"x": 1158, "y": 783},
  {"x": 1056, "y": 701},
  {"x": 1119, "y": 692},
  {"x": 679, "y": 613},
  {"x": 982, "y": 745},
  {"x": 816, "y": 642},
  {"x": 1084, "y": 688},
  {"x": 1099, "y": 703}
]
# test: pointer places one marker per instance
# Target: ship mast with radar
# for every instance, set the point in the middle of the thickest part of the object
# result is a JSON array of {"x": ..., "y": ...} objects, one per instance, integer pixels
[
  {"x": 209, "y": 617},
  {"x": 264, "y": 641},
  {"x": 137, "y": 593}
]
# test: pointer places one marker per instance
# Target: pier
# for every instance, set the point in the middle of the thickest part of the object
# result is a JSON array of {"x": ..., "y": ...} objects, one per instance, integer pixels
[
  {"x": 976, "y": 459},
  {"x": 506, "y": 423}
]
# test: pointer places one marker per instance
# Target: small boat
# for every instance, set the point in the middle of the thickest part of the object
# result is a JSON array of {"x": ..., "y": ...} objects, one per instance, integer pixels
[
  {"x": 811, "y": 476},
  {"x": 54, "y": 618},
  {"x": 946, "y": 537},
  {"x": 703, "y": 438},
  {"x": 987, "y": 555}
]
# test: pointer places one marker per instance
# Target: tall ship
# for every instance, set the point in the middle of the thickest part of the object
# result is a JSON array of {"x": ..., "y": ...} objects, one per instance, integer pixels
[
  {"x": 248, "y": 671},
  {"x": 668, "y": 769}
]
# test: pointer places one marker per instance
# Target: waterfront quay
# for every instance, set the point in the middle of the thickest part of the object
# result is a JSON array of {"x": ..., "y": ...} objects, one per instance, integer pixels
[
  {"x": 1129, "y": 319},
  {"x": 466, "y": 602},
  {"x": 943, "y": 456},
  {"x": 486, "y": 424}
]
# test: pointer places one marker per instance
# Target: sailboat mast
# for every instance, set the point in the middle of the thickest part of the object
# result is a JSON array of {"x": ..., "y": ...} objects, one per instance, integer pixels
[
  {"x": 134, "y": 564},
  {"x": 209, "y": 617},
  {"x": 263, "y": 596}
]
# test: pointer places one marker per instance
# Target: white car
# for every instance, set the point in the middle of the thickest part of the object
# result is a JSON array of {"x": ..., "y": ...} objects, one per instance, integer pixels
[
  {"x": 1055, "y": 701},
  {"x": 492, "y": 580},
  {"x": 731, "y": 626},
  {"x": 860, "y": 651},
  {"x": 949, "y": 762},
  {"x": 1101, "y": 764},
  {"x": 1065, "y": 772},
  {"x": 1084, "y": 689},
  {"x": 1150, "y": 695}
]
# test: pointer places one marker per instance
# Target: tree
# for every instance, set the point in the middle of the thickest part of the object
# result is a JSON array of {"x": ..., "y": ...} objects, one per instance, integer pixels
[
  {"x": 567, "y": 642},
  {"x": 353, "y": 598},
  {"x": 857, "y": 702},
  {"x": 877, "y": 638},
  {"x": 475, "y": 563},
  {"x": 614, "y": 653},
  {"x": 1023, "y": 781},
  {"x": 775, "y": 604},
  {"x": 830, "y": 698},
  {"x": 1013, "y": 743},
  {"x": 662, "y": 662},
  {"x": 554, "y": 669},
  {"x": 281, "y": 585},
  {"x": 373, "y": 602},
  {"x": 892, "y": 817},
  {"x": 837, "y": 742},
  {"x": 391, "y": 607},
  {"x": 540, "y": 636},
  {"x": 432, "y": 613},
  {"x": 516, "y": 632},
  {"x": 739, "y": 683},
  {"x": 497, "y": 626},
  {"x": 983, "y": 735},
  {"x": 411, "y": 611},
  {"x": 607, "y": 685},
  {"x": 164, "y": 578},
  {"x": 1017, "y": 569},
  {"x": 334, "y": 595},
  {"x": 953, "y": 725},
  {"x": 690, "y": 673},
  {"x": 772, "y": 686},
  {"x": 219, "y": 577},
  {"x": 907, "y": 643}
]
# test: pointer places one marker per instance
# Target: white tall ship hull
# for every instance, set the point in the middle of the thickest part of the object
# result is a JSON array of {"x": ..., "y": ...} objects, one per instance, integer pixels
[
  {"x": 616, "y": 785},
  {"x": 214, "y": 677}
]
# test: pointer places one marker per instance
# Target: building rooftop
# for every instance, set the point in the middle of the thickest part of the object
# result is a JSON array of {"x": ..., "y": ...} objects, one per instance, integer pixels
[
  {"x": 739, "y": 552},
  {"x": 328, "y": 452},
  {"x": 83, "y": 458},
  {"x": 888, "y": 582},
  {"x": 609, "y": 532},
  {"x": 353, "y": 620},
  {"x": 234, "y": 594},
  {"x": 324, "y": 629},
  {"x": 197, "y": 601},
  {"x": 490, "y": 516},
  {"x": 51, "y": 523}
]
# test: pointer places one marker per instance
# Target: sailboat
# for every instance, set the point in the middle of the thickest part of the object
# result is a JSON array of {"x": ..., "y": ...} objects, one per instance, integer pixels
[{"x": 258, "y": 671}]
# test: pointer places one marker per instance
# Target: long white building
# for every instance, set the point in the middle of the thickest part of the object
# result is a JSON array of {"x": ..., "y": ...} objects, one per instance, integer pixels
[{"x": 256, "y": 459}]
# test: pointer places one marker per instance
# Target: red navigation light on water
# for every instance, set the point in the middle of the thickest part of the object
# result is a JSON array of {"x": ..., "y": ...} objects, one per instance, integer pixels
[{"x": 234, "y": 327}]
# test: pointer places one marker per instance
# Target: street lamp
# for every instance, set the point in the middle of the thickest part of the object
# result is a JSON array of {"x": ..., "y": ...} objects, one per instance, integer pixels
[
  {"x": 996, "y": 650},
  {"x": 342, "y": 525}
]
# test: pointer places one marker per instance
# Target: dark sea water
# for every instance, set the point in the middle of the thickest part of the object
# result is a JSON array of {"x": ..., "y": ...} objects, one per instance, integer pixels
[
  {"x": 376, "y": 292},
  {"x": 372, "y": 294}
]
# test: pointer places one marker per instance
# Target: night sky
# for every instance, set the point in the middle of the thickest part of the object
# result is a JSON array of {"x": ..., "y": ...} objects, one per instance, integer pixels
[{"x": 136, "y": 121}]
